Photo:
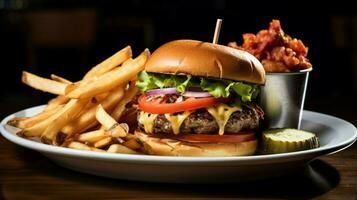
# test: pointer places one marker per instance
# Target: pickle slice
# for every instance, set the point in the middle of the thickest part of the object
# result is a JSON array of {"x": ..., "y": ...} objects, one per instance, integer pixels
[{"x": 282, "y": 140}]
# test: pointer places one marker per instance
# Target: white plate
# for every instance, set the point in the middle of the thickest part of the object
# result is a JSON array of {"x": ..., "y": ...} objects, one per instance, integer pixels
[{"x": 335, "y": 135}]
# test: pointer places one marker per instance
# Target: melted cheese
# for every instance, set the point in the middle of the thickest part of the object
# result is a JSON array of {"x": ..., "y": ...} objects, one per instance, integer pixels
[
  {"x": 147, "y": 120},
  {"x": 222, "y": 113},
  {"x": 176, "y": 120}
]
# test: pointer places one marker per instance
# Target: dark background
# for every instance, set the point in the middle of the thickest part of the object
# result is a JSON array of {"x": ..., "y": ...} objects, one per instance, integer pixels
[{"x": 70, "y": 36}]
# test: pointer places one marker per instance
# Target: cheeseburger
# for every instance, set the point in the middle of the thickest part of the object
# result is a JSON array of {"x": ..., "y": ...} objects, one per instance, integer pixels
[{"x": 198, "y": 99}]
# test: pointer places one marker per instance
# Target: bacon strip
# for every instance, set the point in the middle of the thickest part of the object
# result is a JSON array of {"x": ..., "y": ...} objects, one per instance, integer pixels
[{"x": 277, "y": 51}]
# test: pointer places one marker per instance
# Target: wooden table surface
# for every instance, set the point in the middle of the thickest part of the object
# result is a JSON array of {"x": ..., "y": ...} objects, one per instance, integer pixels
[{"x": 26, "y": 174}]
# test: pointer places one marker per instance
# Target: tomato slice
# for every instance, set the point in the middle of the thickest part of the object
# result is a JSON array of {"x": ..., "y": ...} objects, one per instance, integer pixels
[
  {"x": 231, "y": 138},
  {"x": 160, "y": 107}
]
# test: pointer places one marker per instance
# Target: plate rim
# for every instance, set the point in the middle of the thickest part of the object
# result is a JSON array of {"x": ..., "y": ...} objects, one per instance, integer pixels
[{"x": 45, "y": 148}]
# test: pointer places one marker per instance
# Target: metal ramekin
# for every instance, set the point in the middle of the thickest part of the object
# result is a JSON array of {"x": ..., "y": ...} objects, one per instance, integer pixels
[{"x": 282, "y": 98}]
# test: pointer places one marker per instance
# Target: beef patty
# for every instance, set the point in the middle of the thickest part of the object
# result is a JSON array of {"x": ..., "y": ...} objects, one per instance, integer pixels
[{"x": 202, "y": 122}]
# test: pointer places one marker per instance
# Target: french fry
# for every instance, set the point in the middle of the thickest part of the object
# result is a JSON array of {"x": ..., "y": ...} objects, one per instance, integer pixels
[
  {"x": 110, "y": 63},
  {"x": 113, "y": 127},
  {"x": 55, "y": 102},
  {"x": 97, "y": 150},
  {"x": 46, "y": 85},
  {"x": 132, "y": 144},
  {"x": 119, "y": 130},
  {"x": 118, "y": 111},
  {"x": 60, "y": 79},
  {"x": 115, "y": 60},
  {"x": 16, "y": 121},
  {"x": 101, "y": 97},
  {"x": 103, "y": 142},
  {"x": 130, "y": 137},
  {"x": 69, "y": 112},
  {"x": 125, "y": 127},
  {"x": 94, "y": 76},
  {"x": 39, "y": 128},
  {"x": 104, "y": 118},
  {"x": 118, "y": 140},
  {"x": 118, "y": 148},
  {"x": 31, "y": 121},
  {"x": 126, "y": 62},
  {"x": 128, "y": 96},
  {"x": 111, "y": 79},
  {"x": 95, "y": 100},
  {"x": 92, "y": 136},
  {"x": 78, "y": 145},
  {"x": 81, "y": 146},
  {"x": 84, "y": 106},
  {"x": 129, "y": 117},
  {"x": 87, "y": 119}
]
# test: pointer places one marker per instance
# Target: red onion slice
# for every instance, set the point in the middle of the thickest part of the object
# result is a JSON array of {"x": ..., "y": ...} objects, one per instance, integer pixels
[
  {"x": 162, "y": 91},
  {"x": 196, "y": 94}
]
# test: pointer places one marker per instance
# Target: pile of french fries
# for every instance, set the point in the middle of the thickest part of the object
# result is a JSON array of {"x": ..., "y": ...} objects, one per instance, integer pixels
[{"x": 86, "y": 114}]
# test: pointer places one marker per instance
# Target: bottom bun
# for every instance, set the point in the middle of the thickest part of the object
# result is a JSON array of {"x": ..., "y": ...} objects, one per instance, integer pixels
[{"x": 171, "y": 147}]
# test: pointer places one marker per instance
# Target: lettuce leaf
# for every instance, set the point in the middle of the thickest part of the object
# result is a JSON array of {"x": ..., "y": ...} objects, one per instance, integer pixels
[
  {"x": 247, "y": 92},
  {"x": 180, "y": 82},
  {"x": 145, "y": 82},
  {"x": 217, "y": 88},
  {"x": 148, "y": 81}
]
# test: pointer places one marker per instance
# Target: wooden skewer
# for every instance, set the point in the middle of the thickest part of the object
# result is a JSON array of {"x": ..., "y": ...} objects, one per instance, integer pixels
[{"x": 216, "y": 31}]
